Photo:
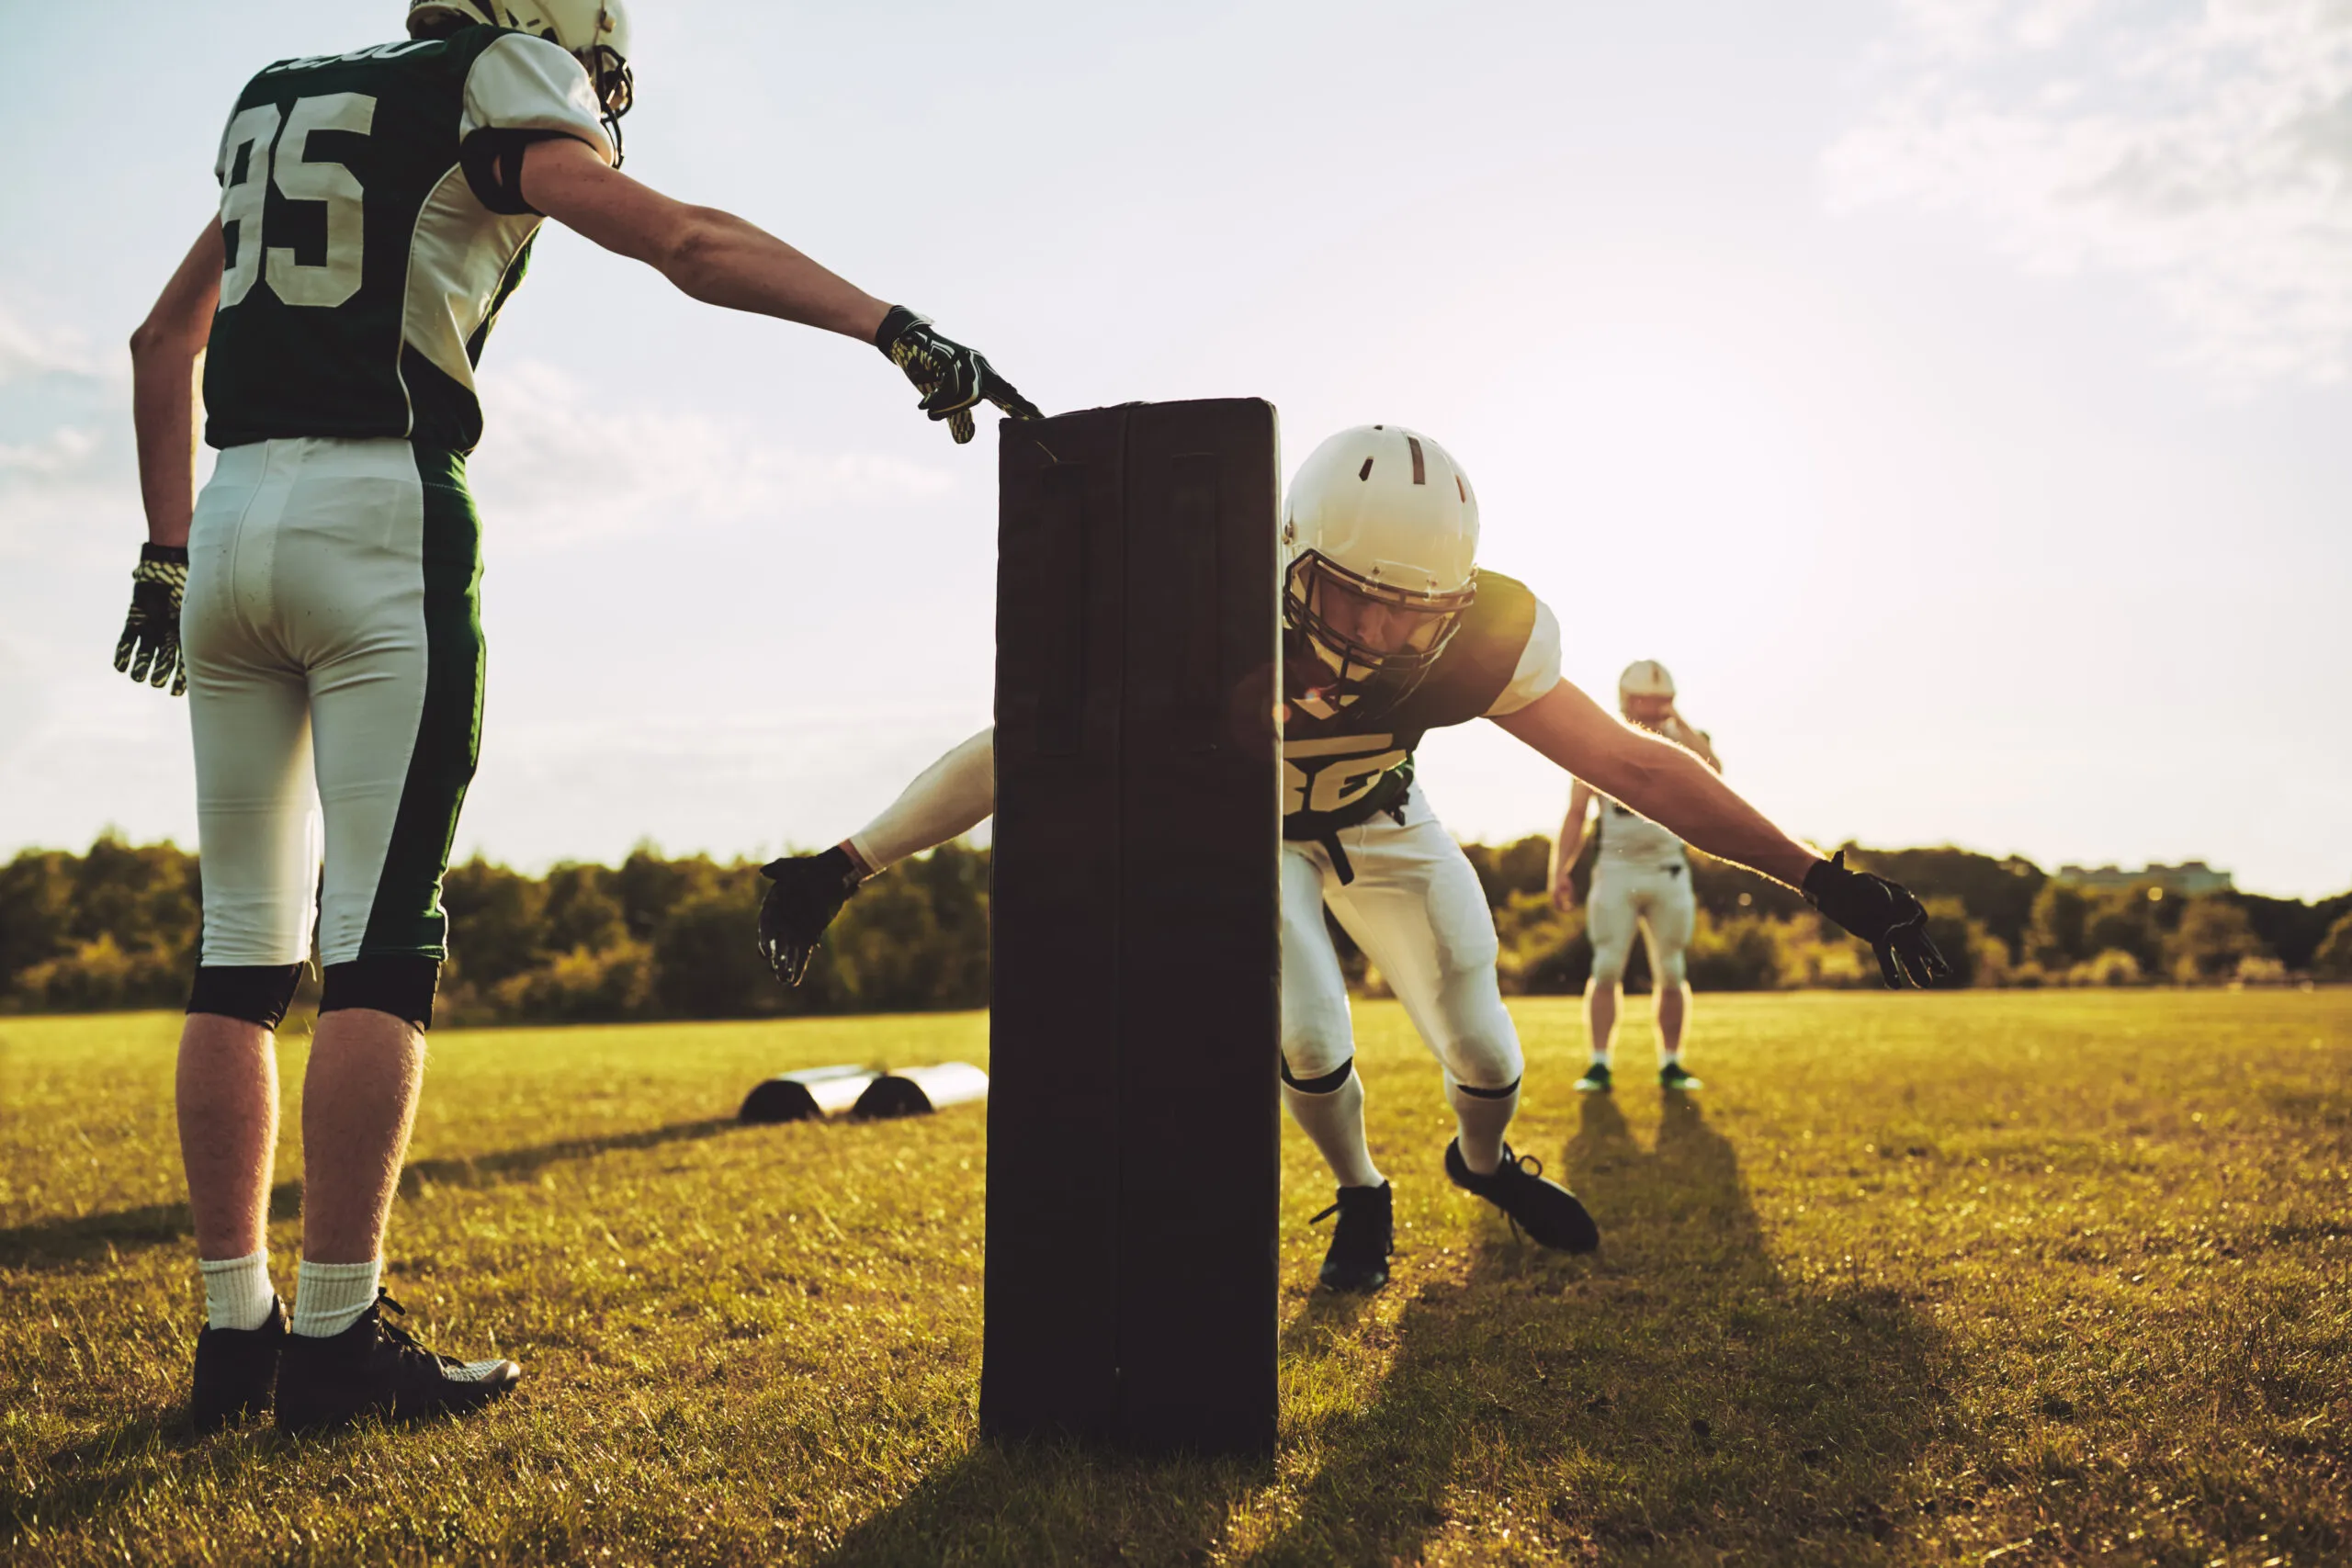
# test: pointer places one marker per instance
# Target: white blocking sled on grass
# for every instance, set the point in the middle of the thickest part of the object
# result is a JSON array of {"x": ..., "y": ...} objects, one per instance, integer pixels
[{"x": 815, "y": 1092}]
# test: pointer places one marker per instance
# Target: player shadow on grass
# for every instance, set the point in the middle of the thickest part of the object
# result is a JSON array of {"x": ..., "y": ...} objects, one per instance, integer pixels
[
  {"x": 1680, "y": 1389},
  {"x": 65, "y": 1242}
]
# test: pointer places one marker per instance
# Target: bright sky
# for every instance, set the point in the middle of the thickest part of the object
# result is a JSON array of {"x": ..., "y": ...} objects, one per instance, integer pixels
[{"x": 1951, "y": 393}]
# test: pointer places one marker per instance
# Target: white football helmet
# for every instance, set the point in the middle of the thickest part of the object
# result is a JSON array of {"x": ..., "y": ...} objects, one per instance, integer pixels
[
  {"x": 1381, "y": 528},
  {"x": 594, "y": 33},
  {"x": 1646, "y": 678}
]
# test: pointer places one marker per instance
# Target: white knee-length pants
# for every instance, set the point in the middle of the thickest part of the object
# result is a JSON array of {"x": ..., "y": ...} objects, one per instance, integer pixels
[
  {"x": 1418, "y": 911},
  {"x": 333, "y": 631},
  {"x": 1651, "y": 896}
]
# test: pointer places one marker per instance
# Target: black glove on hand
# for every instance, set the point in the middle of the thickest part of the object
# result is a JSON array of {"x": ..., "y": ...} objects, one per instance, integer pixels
[
  {"x": 150, "y": 649},
  {"x": 952, "y": 379},
  {"x": 809, "y": 891},
  {"x": 1881, "y": 913}
]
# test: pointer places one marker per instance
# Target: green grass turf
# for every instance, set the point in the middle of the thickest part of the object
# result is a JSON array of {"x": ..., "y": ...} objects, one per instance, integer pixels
[{"x": 2016, "y": 1277}]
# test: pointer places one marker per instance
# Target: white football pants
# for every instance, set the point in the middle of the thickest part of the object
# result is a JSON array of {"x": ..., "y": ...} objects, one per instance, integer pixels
[
  {"x": 1653, "y": 895},
  {"x": 331, "y": 629},
  {"x": 1418, "y": 913}
]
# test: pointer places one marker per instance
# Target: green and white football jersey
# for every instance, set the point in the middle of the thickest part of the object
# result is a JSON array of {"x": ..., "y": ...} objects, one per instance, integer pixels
[{"x": 373, "y": 230}]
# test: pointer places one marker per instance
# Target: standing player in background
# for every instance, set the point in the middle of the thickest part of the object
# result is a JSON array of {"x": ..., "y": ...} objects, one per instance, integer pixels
[
  {"x": 377, "y": 209},
  {"x": 1641, "y": 877},
  {"x": 1392, "y": 630}
]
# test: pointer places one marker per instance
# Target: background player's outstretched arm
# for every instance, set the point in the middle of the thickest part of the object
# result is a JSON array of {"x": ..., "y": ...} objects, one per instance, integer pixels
[
  {"x": 720, "y": 259},
  {"x": 1568, "y": 847},
  {"x": 1662, "y": 781}
]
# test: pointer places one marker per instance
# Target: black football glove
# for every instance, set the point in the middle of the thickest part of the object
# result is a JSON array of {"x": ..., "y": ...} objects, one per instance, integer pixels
[
  {"x": 150, "y": 649},
  {"x": 1881, "y": 913},
  {"x": 952, "y": 379},
  {"x": 809, "y": 891}
]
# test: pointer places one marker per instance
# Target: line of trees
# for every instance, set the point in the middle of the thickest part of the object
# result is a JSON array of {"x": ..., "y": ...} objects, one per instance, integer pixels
[{"x": 656, "y": 937}]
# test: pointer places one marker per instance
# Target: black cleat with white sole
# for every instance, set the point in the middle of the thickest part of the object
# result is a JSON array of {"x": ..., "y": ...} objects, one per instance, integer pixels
[
  {"x": 377, "y": 1369},
  {"x": 1548, "y": 1212},
  {"x": 1595, "y": 1079},
  {"x": 1674, "y": 1075},
  {"x": 235, "y": 1370},
  {"x": 1362, "y": 1241}
]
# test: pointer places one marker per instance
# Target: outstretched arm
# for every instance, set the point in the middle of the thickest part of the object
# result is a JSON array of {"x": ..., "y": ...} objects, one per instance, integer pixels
[
  {"x": 720, "y": 259},
  {"x": 1660, "y": 780},
  {"x": 947, "y": 799},
  {"x": 715, "y": 256},
  {"x": 1569, "y": 846},
  {"x": 1674, "y": 788}
]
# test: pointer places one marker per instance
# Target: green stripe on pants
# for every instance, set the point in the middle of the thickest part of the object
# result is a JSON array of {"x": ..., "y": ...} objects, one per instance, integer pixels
[{"x": 407, "y": 917}]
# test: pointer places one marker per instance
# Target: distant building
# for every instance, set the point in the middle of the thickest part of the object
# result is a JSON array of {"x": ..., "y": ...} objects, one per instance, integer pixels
[{"x": 2186, "y": 880}]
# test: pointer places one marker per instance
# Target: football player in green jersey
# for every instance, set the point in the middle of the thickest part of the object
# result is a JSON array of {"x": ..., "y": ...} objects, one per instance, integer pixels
[
  {"x": 1392, "y": 630},
  {"x": 320, "y": 605}
]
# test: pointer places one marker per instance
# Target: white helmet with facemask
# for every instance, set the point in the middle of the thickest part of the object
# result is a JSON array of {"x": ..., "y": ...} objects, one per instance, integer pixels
[
  {"x": 1381, "y": 529},
  {"x": 594, "y": 32}
]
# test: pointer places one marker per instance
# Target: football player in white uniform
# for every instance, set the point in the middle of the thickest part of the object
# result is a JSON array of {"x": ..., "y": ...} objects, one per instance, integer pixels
[
  {"x": 377, "y": 209},
  {"x": 1392, "y": 630},
  {"x": 1640, "y": 879}
]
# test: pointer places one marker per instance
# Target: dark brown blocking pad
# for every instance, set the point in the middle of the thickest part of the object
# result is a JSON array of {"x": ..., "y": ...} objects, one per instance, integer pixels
[{"x": 1134, "y": 1118}]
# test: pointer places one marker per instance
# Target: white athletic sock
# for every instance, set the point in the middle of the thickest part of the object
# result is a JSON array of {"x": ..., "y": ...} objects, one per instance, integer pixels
[
  {"x": 1334, "y": 1123},
  {"x": 1482, "y": 1119},
  {"x": 1601, "y": 1059},
  {"x": 329, "y": 1297},
  {"x": 237, "y": 1292}
]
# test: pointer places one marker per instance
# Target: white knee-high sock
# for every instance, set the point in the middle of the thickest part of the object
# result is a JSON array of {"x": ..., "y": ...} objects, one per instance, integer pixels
[
  {"x": 1482, "y": 1119},
  {"x": 237, "y": 1292},
  {"x": 329, "y": 1297},
  {"x": 1334, "y": 1122}
]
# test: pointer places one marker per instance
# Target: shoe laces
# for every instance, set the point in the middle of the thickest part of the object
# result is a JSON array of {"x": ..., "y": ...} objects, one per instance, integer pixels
[
  {"x": 399, "y": 1334},
  {"x": 1350, "y": 1232},
  {"x": 1531, "y": 1168}
]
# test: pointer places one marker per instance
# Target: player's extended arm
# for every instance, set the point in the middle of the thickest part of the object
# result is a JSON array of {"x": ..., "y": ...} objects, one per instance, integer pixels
[
  {"x": 948, "y": 800},
  {"x": 164, "y": 353},
  {"x": 1689, "y": 735},
  {"x": 1568, "y": 848},
  {"x": 1674, "y": 789},
  {"x": 1660, "y": 780},
  {"x": 720, "y": 259}
]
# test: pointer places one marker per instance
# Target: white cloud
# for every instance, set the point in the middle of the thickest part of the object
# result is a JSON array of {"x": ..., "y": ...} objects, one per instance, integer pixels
[
  {"x": 2205, "y": 152},
  {"x": 62, "y": 451},
  {"x": 559, "y": 467},
  {"x": 26, "y": 351}
]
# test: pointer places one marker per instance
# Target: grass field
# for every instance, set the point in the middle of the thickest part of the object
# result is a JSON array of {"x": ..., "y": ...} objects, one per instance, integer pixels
[{"x": 1987, "y": 1277}]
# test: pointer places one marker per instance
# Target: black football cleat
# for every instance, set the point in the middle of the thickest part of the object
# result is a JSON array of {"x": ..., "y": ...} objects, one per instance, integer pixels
[
  {"x": 1362, "y": 1241},
  {"x": 377, "y": 1369},
  {"x": 235, "y": 1370},
  {"x": 1674, "y": 1075},
  {"x": 1595, "y": 1079},
  {"x": 1548, "y": 1212}
]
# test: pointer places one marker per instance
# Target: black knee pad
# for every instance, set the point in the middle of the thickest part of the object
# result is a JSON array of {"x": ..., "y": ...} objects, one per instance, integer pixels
[
  {"x": 1329, "y": 1083},
  {"x": 401, "y": 984},
  {"x": 1477, "y": 1093},
  {"x": 257, "y": 993}
]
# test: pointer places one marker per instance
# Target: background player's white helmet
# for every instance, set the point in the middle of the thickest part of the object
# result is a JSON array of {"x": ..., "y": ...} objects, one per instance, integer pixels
[
  {"x": 1382, "y": 531},
  {"x": 1645, "y": 678},
  {"x": 594, "y": 33}
]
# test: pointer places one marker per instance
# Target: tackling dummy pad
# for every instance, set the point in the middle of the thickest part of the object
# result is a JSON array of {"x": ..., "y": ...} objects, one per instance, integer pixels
[{"x": 1134, "y": 1119}]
